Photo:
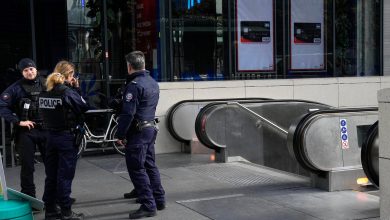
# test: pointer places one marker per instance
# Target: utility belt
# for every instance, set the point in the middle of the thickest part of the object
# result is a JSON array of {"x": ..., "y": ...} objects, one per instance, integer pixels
[
  {"x": 37, "y": 125},
  {"x": 145, "y": 124}
]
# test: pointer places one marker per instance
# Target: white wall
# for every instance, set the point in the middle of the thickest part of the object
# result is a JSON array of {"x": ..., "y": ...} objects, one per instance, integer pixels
[{"x": 338, "y": 92}]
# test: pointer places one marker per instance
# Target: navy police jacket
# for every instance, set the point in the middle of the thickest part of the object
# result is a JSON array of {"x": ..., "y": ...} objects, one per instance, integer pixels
[
  {"x": 10, "y": 99},
  {"x": 62, "y": 108},
  {"x": 139, "y": 101}
]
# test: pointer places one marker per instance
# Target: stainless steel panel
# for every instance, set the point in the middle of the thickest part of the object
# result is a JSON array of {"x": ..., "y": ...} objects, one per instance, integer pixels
[
  {"x": 245, "y": 135},
  {"x": 183, "y": 116},
  {"x": 322, "y": 140},
  {"x": 183, "y": 120}
]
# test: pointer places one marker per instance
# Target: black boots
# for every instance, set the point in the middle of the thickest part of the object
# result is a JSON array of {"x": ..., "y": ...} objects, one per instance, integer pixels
[
  {"x": 160, "y": 206},
  {"x": 141, "y": 213},
  {"x": 130, "y": 195},
  {"x": 52, "y": 215}
]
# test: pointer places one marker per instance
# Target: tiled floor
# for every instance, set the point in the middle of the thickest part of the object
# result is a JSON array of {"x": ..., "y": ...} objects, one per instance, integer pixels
[{"x": 197, "y": 189}]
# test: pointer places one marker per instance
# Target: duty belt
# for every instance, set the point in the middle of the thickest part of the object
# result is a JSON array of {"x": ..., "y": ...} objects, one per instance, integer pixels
[{"x": 144, "y": 124}]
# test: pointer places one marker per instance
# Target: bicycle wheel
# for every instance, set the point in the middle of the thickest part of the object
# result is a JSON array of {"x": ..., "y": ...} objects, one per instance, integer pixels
[
  {"x": 118, "y": 148},
  {"x": 82, "y": 147}
]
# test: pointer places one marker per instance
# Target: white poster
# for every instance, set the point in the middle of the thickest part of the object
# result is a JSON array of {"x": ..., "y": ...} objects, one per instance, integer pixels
[
  {"x": 307, "y": 35},
  {"x": 255, "y": 35}
]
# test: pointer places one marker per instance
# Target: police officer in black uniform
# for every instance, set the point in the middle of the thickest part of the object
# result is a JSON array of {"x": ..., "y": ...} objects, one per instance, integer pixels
[
  {"x": 61, "y": 108},
  {"x": 137, "y": 125},
  {"x": 19, "y": 105}
]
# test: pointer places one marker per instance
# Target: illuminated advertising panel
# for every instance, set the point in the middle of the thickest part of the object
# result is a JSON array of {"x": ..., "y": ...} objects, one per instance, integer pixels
[
  {"x": 255, "y": 36},
  {"x": 307, "y": 43}
]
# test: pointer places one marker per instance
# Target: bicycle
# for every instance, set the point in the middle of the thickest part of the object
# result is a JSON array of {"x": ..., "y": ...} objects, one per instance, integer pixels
[{"x": 107, "y": 138}]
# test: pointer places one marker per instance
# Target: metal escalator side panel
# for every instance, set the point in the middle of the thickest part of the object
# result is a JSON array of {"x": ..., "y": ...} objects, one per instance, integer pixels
[
  {"x": 317, "y": 139},
  {"x": 319, "y": 148},
  {"x": 181, "y": 116},
  {"x": 214, "y": 139},
  {"x": 203, "y": 127},
  {"x": 370, "y": 154},
  {"x": 295, "y": 139}
]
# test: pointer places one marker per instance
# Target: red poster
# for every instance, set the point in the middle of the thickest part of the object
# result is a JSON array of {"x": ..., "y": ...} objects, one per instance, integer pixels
[{"x": 146, "y": 29}]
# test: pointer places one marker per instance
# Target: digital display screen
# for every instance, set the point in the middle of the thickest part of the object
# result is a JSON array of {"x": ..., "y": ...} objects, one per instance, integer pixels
[
  {"x": 307, "y": 33},
  {"x": 255, "y": 32}
]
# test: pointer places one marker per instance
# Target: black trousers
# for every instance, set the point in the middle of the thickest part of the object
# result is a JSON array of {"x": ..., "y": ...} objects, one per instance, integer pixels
[
  {"x": 27, "y": 141},
  {"x": 60, "y": 167},
  {"x": 140, "y": 161}
]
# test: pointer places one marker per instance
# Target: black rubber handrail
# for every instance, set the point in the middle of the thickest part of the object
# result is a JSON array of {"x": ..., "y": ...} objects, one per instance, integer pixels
[
  {"x": 175, "y": 107},
  {"x": 300, "y": 130},
  {"x": 202, "y": 136},
  {"x": 366, "y": 156}
]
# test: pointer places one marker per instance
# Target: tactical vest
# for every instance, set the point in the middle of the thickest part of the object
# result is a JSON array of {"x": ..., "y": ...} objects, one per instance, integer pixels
[
  {"x": 28, "y": 106},
  {"x": 56, "y": 114}
]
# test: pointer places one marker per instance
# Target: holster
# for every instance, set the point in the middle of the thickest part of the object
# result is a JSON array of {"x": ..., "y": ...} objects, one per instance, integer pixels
[{"x": 78, "y": 132}]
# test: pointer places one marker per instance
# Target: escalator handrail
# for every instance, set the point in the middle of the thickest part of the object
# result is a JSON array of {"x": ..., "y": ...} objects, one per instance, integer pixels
[
  {"x": 372, "y": 134},
  {"x": 300, "y": 130},
  {"x": 262, "y": 118},
  {"x": 198, "y": 122}
]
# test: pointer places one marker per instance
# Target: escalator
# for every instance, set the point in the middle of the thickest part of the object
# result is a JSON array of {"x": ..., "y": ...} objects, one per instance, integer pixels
[
  {"x": 301, "y": 137},
  {"x": 181, "y": 116},
  {"x": 255, "y": 131}
]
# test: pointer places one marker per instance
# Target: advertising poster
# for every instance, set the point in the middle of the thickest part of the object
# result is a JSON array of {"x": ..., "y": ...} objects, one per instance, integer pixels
[
  {"x": 146, "y": 29},
  {"x": 307, "y": 45},
  {"x": 255, "y": 35}
]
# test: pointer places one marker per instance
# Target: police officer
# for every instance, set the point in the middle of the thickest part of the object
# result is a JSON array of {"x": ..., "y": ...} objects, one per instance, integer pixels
[
  {"x": 60, "y": 107},
  {"x": 19, "y": 105},
  {"x": 67, "y": 69},
  {"x": 136, "y": 124}
]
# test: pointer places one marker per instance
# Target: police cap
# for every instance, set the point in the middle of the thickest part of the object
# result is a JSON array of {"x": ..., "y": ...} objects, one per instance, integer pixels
[{"x": 25, "y": 63}]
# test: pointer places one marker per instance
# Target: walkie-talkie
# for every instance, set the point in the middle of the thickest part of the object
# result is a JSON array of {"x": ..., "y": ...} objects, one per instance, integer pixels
[{"x": 26, "y": 107}]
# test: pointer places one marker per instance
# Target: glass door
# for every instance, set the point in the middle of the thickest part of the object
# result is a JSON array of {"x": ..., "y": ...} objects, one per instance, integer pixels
[{"x": 197, "y": 39}]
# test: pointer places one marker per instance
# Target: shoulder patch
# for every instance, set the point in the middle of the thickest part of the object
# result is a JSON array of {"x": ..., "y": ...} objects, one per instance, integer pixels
[
  {"x": 129, "y": 97},
  {"x": 5, "y": 96}
]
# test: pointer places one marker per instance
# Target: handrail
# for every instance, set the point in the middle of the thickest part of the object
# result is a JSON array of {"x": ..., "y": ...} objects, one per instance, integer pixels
[{"x": 259, "y": 116}]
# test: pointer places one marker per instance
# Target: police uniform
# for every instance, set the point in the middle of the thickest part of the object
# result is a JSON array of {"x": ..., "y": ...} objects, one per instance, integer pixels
[
  {"x": 60, "y": 109},
  {"x": 136, "y": 124},
  {"x": 19, "y": 102}
]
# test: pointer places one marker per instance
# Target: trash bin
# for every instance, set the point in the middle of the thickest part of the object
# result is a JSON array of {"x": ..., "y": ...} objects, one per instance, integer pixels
[{"x": 15, "y": 210}]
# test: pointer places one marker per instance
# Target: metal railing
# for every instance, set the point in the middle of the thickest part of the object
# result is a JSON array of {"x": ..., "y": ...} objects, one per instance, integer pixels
[
  {"x": 3, "y": 146},
  {"x": 262, "y": 118}
]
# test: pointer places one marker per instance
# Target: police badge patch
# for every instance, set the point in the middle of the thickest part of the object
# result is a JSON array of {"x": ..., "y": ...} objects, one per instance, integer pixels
[
  {"x": 129, "y": 97},
  {"x": 5, "y": 96}
]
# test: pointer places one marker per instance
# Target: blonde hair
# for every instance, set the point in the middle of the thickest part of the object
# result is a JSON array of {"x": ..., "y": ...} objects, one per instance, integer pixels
[
  {"x": 54, "y": 79},
  {"x": 65, "y": 68}
]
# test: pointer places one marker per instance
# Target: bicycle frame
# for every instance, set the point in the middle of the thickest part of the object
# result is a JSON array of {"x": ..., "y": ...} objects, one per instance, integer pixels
[{"x": 91, "y": 137}]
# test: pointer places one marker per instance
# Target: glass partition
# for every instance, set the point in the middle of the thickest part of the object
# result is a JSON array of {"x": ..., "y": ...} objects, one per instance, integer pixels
[{"x": 223, "y": 40}]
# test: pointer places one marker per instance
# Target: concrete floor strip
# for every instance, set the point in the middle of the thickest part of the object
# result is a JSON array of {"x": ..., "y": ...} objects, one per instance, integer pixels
[{"x": 210, "y": 198}]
